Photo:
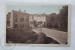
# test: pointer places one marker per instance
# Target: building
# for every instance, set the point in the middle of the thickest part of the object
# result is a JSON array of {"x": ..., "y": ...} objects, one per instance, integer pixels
[
  {"x": 38, "y": 18},
  {"x": 19, "y": 20},
  {"x": 8, "y": 19}
]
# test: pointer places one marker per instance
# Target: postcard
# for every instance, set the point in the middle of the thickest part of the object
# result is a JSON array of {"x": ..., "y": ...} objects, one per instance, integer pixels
[{"x": 38, "y": 24}]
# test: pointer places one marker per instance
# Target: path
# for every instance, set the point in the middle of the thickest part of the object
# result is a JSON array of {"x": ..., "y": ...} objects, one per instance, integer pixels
[{"x": 59, "y": 36}]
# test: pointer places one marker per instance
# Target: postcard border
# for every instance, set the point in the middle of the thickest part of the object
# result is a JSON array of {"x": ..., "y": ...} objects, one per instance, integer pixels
[{"x": 43, "y": 4}]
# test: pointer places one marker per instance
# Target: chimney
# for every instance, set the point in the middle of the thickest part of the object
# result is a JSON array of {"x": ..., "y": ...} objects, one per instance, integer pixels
[
  {"x": 19, "y": 10},
  {"x": 12, "y": 10},
  {"x": 38, "y": 13},
  {"x": 25, "y": 11},
  {"x": 44, "y": 12}
]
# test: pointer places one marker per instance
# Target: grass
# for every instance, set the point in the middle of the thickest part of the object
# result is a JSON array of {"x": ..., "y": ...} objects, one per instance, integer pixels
[
  {"x": 19, "y": 36},
  {"x": 30, "y": 37}
]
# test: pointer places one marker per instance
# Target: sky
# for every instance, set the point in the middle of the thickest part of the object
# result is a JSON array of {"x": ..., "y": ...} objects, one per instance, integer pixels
[{"x": 35, "y": 9}]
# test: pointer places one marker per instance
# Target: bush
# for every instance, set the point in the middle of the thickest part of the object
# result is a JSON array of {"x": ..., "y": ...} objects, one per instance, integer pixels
[{"x": 19, "y": 36}]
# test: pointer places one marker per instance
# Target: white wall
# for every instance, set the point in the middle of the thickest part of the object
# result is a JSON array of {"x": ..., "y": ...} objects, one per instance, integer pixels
[{"x": 40, "y": 18}]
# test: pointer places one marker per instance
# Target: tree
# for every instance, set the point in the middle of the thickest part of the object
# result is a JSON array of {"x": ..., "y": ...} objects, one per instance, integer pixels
[
  {"x": 34, "y": 23},
  {"x": 52, "y": 20},
  {"x": 40, "y": 23},
  {"x": 58, "y": 21},
  {"x": 63, "y": 18}
]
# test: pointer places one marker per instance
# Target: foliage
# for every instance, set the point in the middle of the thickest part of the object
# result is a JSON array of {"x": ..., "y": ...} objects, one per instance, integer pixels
[
  {"x": 22, "y": 36},
  {"x": 63, "y": 18},
  {"x": 19, "y": 36},
  {"x": 34, "y": 22},
  {"x": 59, "y": 21}
]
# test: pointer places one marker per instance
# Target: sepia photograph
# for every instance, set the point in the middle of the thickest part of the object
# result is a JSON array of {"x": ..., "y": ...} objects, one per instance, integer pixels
[{"x": 37, "y": 24}]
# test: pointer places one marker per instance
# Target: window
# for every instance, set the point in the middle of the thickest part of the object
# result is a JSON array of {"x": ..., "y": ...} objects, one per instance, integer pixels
[
  {"x": 22, "y": 19},
  {"x": 16, "y": 18},
  {"x": 21, "y": 25},
  {"x": 8, "y": 23},
  {"x": 8, "y": 17},
  {"x": 26, "y": 19},
  {"x": 16, "y": 26},
  {"x": 26, "y": 28}
]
